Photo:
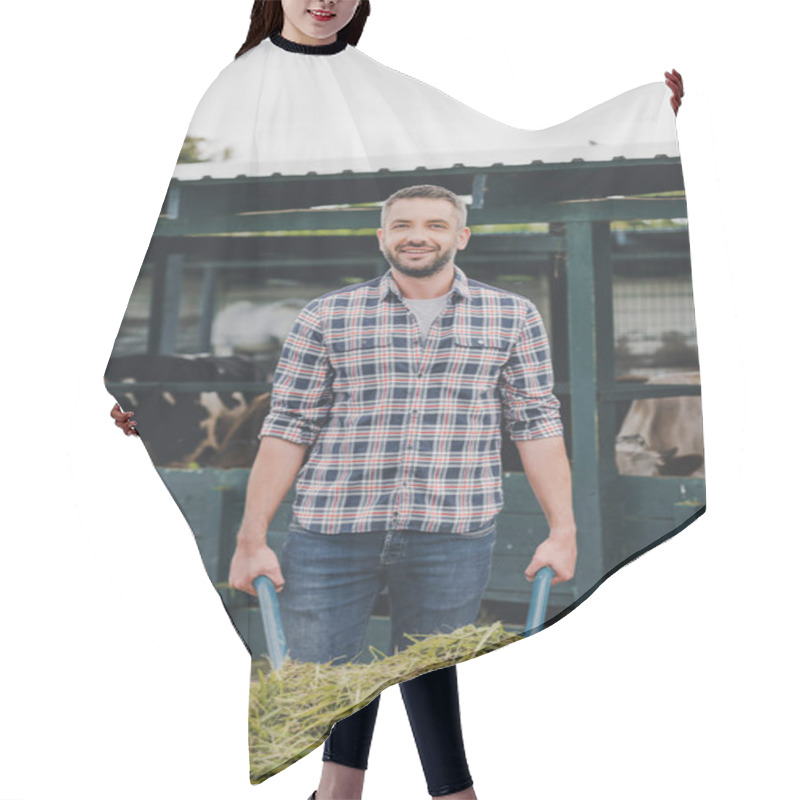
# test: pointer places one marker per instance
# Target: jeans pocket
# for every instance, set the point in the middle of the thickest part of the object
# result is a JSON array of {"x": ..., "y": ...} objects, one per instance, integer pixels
[
  {"x": 486, "y": 530},
  {"x": 293, "y": 527}
]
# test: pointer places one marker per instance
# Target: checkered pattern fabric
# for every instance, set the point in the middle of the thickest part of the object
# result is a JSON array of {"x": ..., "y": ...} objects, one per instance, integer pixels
[{"x": 405, "y": 435}]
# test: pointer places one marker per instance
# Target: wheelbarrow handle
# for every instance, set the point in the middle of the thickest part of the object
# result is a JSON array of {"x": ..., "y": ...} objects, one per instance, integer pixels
[
  {"x": 271, "y": 619},
  {"x": 537, "y": 610}
]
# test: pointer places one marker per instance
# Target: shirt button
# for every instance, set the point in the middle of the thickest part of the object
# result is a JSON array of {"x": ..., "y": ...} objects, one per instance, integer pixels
[{"x": 481, "y": 341}]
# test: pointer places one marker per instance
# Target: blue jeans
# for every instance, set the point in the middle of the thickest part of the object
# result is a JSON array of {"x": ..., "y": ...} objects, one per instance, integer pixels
[{"x": 435, "y": 583}]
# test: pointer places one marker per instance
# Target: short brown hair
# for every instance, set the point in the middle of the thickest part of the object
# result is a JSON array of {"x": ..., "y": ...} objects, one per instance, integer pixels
[{"x": 427, "y": 190}]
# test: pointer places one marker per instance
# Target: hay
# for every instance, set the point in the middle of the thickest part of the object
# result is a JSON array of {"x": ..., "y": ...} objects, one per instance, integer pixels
[{"x": 292, "y": 710}]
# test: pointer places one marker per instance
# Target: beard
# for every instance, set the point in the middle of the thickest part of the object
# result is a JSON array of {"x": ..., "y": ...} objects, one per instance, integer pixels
[{"x": 439, "y": 262}]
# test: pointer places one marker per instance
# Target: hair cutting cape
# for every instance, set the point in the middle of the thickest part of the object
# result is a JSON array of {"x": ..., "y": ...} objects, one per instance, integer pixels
[{"x": 265, "y": 307}]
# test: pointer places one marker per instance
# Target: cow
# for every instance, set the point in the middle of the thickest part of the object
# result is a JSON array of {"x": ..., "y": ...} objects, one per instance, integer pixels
[
  {"x": 663, "y": 435},
  {"x": 238, "y": 448},
  {"x": 247, "y": 328},
  {"x": 184, "y": 429}
]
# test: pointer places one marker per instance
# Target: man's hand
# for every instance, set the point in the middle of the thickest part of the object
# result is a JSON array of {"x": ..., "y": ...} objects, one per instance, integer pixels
[
  {"x": 251, "y": 560},
  {"x": 559, "y": 551},
  {"x": 547, "y": 469},
  {"x": 675, "y": 82}
]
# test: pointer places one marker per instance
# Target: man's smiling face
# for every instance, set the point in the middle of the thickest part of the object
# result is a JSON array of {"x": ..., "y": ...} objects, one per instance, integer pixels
[{"x": 421, "y": 235}]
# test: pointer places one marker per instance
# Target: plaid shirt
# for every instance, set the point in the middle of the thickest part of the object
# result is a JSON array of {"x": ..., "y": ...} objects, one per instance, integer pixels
[{"x": 405, "y": 435}]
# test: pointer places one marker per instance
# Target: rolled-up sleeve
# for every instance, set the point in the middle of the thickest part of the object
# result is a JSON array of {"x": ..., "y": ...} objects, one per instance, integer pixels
[
  {"x": 302, "y": 393},
  {"x": 530, "y": 409}
]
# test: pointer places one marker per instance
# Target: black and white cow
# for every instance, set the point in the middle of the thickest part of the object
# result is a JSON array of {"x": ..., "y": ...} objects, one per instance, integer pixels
[{"x": 187, "y": 428}]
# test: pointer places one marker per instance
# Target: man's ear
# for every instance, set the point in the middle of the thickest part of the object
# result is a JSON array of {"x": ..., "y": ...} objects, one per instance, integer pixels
[
  {"x": 379, "y": 232},
  {"x": 463, "y": 237}
]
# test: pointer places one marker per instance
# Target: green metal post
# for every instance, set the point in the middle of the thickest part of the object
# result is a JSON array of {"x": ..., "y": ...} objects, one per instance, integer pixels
[
  {"x": 207, "y": 304},
  {"x": 590, "y": 326},
  {"x": 171, "y": 312}
]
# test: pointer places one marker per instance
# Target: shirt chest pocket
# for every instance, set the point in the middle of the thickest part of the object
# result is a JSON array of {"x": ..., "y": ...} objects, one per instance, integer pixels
[
  {"x": 360, "y": 360},
  {"x": 479, "y": 357}
]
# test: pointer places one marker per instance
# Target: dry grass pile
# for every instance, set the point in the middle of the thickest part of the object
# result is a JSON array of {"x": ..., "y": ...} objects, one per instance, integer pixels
[{"x": 293, "y": 709}]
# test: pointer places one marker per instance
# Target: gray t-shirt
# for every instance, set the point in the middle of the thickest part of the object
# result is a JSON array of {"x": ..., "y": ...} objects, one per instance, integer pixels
[{"x": 426, "y": 312}]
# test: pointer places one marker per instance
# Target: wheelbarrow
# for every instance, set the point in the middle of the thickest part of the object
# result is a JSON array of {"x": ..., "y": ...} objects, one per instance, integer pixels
[{"x": 276, "y": 641}]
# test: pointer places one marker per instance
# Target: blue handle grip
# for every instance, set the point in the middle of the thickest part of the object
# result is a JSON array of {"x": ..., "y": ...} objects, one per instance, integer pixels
[
  {"x": 271, "y": 619},
  {"x": 540, "y": 594}
]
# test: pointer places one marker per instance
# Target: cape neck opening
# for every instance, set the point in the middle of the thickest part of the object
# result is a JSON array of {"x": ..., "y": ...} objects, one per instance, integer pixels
[{"x": 308, "y": 49}]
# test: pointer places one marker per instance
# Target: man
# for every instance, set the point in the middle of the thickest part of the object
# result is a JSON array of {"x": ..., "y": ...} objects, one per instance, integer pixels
[{"x": 403, "y": 480}]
